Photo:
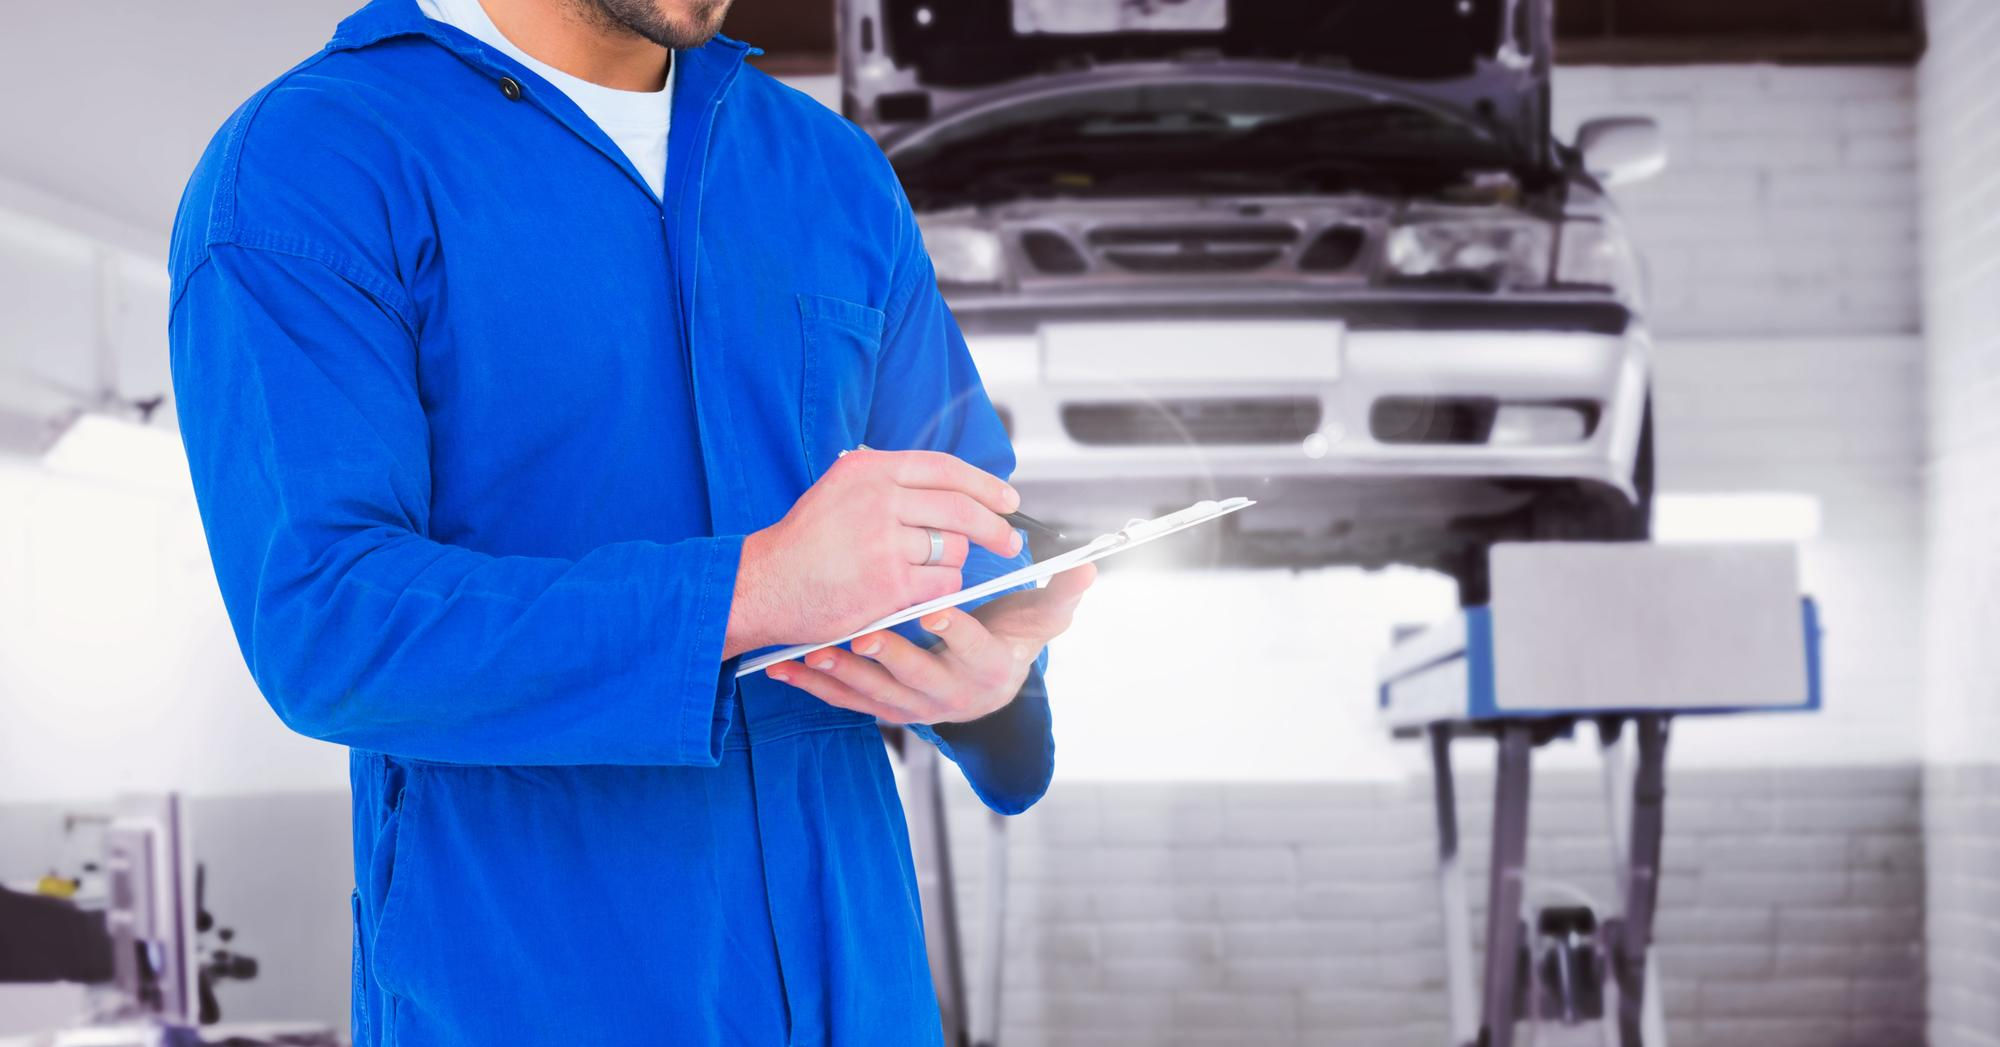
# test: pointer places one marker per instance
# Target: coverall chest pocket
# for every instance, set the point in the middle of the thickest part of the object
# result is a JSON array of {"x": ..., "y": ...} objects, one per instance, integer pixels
[{"x": 843, "y": 344}]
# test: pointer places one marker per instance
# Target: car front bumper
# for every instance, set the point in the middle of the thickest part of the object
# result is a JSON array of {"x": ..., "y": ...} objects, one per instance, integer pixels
[{"x": 1036, "y": 379}]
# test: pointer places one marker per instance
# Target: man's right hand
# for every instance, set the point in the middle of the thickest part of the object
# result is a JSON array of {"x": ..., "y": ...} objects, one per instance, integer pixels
[{"x": 852, "y": 548}]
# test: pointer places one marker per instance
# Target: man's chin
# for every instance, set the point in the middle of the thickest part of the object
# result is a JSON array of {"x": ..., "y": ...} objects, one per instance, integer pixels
[
  {"x": 690, "y": 34},
  {"x": 692, "y": 40},
  {"x": 708, "y": 18},
  {"x": 682, "y": 30}
]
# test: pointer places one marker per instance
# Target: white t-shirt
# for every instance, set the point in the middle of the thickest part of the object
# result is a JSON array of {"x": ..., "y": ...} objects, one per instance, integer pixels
[{"x": 636, "y": 120}]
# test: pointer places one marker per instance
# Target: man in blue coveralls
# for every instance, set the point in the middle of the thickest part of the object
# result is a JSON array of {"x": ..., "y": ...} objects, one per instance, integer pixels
[{"x": 515, "y": 348}]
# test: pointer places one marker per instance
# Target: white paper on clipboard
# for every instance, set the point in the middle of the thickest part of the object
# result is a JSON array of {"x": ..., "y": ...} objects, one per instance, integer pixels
[{"x": 1131, "y": 536}]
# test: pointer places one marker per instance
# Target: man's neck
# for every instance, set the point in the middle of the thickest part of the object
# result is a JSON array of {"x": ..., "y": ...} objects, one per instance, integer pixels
[{"x": 564, "y": 35}]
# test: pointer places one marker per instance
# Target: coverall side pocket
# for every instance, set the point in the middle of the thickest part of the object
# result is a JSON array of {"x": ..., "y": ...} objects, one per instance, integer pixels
[
  {"x": 843, "y": 341},
  {"x": 393, "y": 871}
]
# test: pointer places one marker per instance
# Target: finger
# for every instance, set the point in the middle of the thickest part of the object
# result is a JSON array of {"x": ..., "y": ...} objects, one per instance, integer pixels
[
  {"x": 919, "y": 541},
  {"x": 833, "y": 692},
  {"x": 934, "y": 470},
  {"x": 967, "y": 638},
  {"x": 871, "y": 681},
  {"x": 987, "y": 659},
  {"x": 1045, "y": 613},
  {"x": 1036, "y": 616},
  {"x": 952, "y": 511},
  {"x": 929, "y": 583},
  {"x": 911, "y": 665},
  {"x": 1051, "y": 607},
  {"x": 1071, "y": 584}
]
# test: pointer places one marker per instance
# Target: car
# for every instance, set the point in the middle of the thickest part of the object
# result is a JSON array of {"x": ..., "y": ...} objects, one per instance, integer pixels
[{"x": 1328, "y": 255}]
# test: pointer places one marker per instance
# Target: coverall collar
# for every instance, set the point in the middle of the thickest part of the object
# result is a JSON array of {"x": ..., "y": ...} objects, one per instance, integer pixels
[{"x": 701, "y": 74}]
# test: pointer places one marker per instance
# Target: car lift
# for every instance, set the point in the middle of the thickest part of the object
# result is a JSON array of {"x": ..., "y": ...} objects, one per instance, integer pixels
[
  {"x": 1611, "y": 634},
  {"x": 1606, "y": 633}
]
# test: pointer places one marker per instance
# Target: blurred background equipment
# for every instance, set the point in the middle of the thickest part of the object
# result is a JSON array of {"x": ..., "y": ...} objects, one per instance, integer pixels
[{"x": 135, "y": 929}]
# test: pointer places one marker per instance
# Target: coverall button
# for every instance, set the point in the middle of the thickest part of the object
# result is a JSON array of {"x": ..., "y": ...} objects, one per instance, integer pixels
[{"x": 511, "y": 88}]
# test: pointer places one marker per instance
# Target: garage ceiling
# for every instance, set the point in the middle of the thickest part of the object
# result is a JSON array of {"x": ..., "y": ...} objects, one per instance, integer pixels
[
  {"x": 1658, "y": 31},
  {"x": 798, "y": 34}
]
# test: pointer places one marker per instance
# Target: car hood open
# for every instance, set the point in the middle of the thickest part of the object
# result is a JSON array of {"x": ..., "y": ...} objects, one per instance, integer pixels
[{"x": 905, "y": 61}]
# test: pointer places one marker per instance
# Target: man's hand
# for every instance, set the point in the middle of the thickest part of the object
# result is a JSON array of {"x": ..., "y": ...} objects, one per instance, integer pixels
[
  {"x": 979, "y": 666},
  {"x": 852, "y": 548}
]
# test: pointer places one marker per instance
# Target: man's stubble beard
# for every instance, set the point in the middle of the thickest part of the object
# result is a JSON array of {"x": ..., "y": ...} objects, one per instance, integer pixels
[{"x": 694, "y": 25}]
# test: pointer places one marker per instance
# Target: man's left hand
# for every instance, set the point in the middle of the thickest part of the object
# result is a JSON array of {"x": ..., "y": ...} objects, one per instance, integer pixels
[{"x": 978, "y": 667}]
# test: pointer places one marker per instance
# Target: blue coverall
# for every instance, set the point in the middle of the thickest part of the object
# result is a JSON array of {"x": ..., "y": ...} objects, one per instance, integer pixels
[{"x": 477, "y": 424}]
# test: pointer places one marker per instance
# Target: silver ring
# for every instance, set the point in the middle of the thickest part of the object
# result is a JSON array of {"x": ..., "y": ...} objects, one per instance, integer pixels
[{"x": 937, "y": 547}]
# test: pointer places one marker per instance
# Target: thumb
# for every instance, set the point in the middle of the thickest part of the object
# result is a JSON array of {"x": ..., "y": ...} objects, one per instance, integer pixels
[{"x": 1039, "y": 614}]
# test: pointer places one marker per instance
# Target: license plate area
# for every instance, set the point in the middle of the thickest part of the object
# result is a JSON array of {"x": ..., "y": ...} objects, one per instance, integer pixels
[{"x": 1235, "y": 352}]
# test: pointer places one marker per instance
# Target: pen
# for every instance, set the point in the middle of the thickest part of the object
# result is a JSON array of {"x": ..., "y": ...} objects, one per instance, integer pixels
[
  {"x": 1029, "y": 523},
  {"x": 1017, "y": 519}
]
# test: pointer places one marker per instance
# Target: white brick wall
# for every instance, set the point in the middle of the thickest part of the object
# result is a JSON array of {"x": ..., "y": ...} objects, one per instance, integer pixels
[
  {"x": 1305, "y": 913},
  {"x": 1789, "y": 202},
  {"x": 1959, "y": 115}
]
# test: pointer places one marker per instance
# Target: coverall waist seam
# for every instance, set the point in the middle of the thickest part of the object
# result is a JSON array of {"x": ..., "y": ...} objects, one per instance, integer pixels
[{"x": 777, "y": 728}]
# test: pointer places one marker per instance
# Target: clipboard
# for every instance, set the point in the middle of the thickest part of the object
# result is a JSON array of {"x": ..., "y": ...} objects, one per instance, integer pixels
[{"x": 1131, "y": 536}]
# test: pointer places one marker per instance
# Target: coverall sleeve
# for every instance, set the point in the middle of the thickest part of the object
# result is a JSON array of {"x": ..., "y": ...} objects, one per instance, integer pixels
[
  {"x": 930, "y": 398},
  {"x": 295, "y": 376}
]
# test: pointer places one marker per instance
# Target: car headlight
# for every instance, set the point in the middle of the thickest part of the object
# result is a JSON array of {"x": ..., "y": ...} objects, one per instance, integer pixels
[
  {"x": 965, "y": 255},
  {"x": 1594, "y": 253},
  {"x": 1499, "y": 252}
]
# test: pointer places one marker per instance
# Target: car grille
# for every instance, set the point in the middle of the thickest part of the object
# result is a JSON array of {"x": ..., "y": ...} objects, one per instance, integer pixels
[
  {"x": 1052, "y": 253},
  {"x": 1217, "y": 420},
  {"x": 1193, "y": 249},
  {"x": 1334, "y": 249}
]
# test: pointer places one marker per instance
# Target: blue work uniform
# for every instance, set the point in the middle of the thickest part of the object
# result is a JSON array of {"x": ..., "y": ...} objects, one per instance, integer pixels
[{"x": 477, "y": 423}]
